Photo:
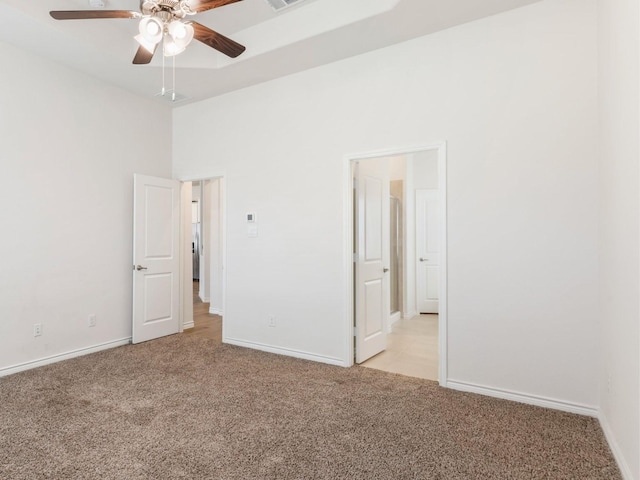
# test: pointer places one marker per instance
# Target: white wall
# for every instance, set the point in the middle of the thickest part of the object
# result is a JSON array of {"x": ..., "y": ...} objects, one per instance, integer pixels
[
  {"x": 515, "y": 98},
  {"x": 620, "y": 238},
  {"x": 70, "y": 146}
]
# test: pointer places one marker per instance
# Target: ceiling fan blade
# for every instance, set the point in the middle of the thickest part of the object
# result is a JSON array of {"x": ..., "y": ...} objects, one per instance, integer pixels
[
  {"x": 217, "y": 40},
  {"x": 88, "y": 14},
  {"x": 143, "y": 56},
  {"x": 204, "y": 5}
]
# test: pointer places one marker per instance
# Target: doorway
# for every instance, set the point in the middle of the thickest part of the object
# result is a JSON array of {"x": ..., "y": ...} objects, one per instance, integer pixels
[
  {"x": 203, "y": 254},
  {"x": 414, "y": 266}
]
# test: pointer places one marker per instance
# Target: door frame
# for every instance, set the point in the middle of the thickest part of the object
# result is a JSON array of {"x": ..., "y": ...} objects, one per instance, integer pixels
[
  {"x": 348, "y": 242},
  {"x": 186, "y": 279}
]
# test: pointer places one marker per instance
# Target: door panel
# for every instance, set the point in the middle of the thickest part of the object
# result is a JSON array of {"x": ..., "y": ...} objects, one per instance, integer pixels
[
  {"x": 158, "y": 305},
  {"x": 372, "y": 256},
  {"x": 432, "y": 283},
  {"x": 158, "y": 238},
  {"x": 374, "y": 190},
  {"x": 156, "y": 258},
  {"x": 427, "y": 250},
  {"x": 373, "y": 292}
]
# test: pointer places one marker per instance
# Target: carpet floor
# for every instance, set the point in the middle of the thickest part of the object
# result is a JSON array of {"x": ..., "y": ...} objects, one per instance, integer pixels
[{"x": 184, "y": 407}]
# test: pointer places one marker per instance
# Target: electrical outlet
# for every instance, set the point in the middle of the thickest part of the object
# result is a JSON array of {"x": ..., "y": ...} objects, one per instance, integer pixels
[
  {"x": 92, "y": 320},
  {"x": 272, "y": 320},
  {"x": 37, "y": 329}
]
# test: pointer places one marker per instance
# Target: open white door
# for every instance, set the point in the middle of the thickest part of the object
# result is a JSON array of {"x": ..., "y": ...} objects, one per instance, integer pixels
[
  {"x": 372, "y": 257},
  {"x": 427, "y": 250},
  {"x": 156, "y": 258}
]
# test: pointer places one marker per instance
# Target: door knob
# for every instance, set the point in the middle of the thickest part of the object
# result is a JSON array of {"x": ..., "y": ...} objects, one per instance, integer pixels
[
  {"x": 140, "y": 267},
  {"x": 385, "y": 270},
  {"x": 424, "y": 259}
]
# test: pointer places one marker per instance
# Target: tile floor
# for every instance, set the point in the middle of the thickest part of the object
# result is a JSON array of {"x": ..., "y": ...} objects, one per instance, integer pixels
[{"x": 412, "y": 349}]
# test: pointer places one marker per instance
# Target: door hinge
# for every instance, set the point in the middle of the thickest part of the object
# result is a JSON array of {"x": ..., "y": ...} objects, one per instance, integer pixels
[
  {"x": 355, "y": 257},
  {"x": 355, "y": 331},
  {"x": 355, "y": 182}
]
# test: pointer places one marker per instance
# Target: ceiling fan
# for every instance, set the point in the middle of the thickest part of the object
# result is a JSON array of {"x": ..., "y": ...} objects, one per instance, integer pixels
[{"x": 163, "y": 21}]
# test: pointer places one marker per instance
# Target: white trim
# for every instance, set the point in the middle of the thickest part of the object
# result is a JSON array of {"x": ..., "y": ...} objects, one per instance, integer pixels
[
  {"x": 216, "y": 311},
  {"x": 63, "y": 356},
  {"x": 625, "y": 469},
  {"x": 443, "y": 304},
  {"x": 286, "y": 352},
  {"x": 221, "y": 176},
  {"x": 223, "y": 246},
  {"x": 205, "y": 299},
  {"x": 409, "y": 315},
  {"x": 198, "y": 178},
  {"x": 347, "y": 260},
  {"x": 529, "y": 399},
  {"x": 186, "y": 302},
  {"x": 188, "y": 325},
  {"x": 394, "y": 318}
]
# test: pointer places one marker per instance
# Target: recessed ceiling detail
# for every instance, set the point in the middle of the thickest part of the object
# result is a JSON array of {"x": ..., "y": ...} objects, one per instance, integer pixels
[
  {"x": 280, "y": 4},
  {"x": 278, "y": 44}
]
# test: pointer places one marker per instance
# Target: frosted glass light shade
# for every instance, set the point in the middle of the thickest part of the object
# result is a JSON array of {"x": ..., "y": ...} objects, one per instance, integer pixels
[
  {"x": 171, "y": 47},
  {"x": 181, "y": 33},
  {"x": 151, "y": 29}
]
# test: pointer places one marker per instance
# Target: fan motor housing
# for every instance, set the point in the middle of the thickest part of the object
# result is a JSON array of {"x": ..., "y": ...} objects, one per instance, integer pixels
[{"x": 165, "y": 9}]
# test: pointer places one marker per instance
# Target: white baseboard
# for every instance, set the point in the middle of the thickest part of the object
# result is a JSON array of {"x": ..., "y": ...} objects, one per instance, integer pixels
[
  {"x": 285, "y": 351},
  {"x": 216, "y": 311},
  {"x": 523, "y": 398},
  {"x": 188, "y": 325},
  {"x": 394, "y": 318},
  {"x": 409, "y": 315},
  {"x": 615, "y": 449},
  {"x": 62, "y": 356}
]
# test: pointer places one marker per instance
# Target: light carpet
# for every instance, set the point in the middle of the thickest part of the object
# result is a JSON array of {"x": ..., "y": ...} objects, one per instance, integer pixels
[{"x": 184, "y": 407}]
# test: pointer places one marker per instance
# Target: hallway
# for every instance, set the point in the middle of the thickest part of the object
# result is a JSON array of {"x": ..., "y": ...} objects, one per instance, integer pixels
[
  {"x": 412, "y": 349},
  {"x": 205, "y": 324}
]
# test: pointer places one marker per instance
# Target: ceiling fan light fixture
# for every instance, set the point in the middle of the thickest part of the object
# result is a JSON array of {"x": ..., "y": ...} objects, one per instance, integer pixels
[
  {"x": 172, "y": 48},
  {"x": 177, "y": 29},
  {"x": 151, "y": 29},
  {"x": 181, "y": 33}
]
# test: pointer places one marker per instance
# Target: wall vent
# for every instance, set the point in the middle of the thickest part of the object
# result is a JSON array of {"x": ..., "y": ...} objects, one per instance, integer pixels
[
  {"x": 280, "y": 4},
  {"x": 168, "y": 97}
]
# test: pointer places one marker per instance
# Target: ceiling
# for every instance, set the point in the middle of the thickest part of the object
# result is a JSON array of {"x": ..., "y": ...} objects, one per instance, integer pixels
[{"x": 309, "y": 34}]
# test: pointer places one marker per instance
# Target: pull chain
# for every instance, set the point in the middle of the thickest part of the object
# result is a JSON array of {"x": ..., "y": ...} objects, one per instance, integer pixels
[
  {"x": 163, "y": 89},
  {"x": 173, "y": 93}
]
